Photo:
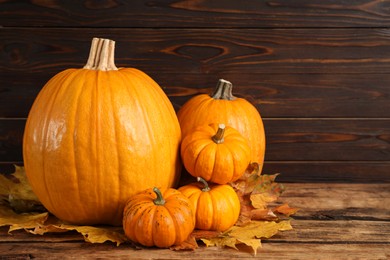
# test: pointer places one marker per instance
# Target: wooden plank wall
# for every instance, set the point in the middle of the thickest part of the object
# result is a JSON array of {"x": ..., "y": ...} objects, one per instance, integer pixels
[{"x": 318, "y": 71}]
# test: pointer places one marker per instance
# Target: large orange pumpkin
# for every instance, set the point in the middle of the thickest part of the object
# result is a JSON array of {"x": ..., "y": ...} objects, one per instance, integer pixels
[
  {"x": 223, "y": 107},
  {"x": 97, "y": 135}
]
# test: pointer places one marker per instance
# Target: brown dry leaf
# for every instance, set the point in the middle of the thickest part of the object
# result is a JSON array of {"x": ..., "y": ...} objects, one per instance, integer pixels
[
  {"x": 256, "y": 191},
  {"x": 249, "y": 234},
  {"x": 285, "y": 209},
  {"x": 189, "y": 244},
  {"x": 263, "y": 214}
]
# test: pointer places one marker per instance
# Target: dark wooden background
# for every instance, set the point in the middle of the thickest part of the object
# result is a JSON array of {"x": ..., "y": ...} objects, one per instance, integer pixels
[{"x": 318, "y": 71}]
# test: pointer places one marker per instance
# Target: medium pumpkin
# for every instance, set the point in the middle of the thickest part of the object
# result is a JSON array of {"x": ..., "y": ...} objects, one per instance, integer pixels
[
  {"x": 97, "y": 135},
  {"x": 155, "y": 218},
  {"x": 223, "y": 107},
  {"x": 215, "y": 152},
  {"x": 216, "y": 207}
]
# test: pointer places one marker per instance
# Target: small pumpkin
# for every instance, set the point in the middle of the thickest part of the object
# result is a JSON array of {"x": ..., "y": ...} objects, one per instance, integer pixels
[
  {"x": 223, "y": 107},
  {"x": 215, "y": 152},
  {"x": 90, "y": 135},
  {"x": 158, "y": 218},
  {"x": 216, "y": 207}
]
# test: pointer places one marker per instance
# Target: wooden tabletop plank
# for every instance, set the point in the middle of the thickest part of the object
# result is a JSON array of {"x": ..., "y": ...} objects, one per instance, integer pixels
[{"x": 365, "y": 234}]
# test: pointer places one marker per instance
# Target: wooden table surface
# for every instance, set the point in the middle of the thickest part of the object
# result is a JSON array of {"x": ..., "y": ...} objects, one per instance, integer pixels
[{"x": 335, "y": 221}]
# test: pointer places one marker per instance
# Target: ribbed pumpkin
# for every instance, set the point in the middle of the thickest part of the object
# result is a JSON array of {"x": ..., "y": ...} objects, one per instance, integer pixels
[
  {"x": 223, "y": 107},
  {"x": 97, "y": 135},
  {"x": 215, "y": 152},
  {"x": 158, "y": 218},
  {"x": 216, "y": 207}
]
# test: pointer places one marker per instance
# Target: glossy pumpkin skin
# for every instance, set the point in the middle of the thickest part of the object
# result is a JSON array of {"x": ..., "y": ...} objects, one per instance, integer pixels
[
  {"x": 232, "y": 111},
  {"x": 165, "y": 225},
  {"x": 215, "y": 209},
  {"x": 93, "y": 138},
  {"x": 219, "y": 159}
]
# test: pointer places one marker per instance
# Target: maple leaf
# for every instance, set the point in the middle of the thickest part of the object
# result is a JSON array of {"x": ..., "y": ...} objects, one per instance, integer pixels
[
  {"x": 18, "y": 202},
  {"x": 256, "y": 191},
  {"x": 16, "y": 221},
  {"x": 249, "y": 234}
]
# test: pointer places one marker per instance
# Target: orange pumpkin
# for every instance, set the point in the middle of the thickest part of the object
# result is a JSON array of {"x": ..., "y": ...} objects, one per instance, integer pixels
[
  {"x": 154, "y": 218},
  {"x": 216, "y": 207},
  {"x": 223, "y": 107},
  {"x": 215, "y": 152},
  {"x": 97, "y": 135}
]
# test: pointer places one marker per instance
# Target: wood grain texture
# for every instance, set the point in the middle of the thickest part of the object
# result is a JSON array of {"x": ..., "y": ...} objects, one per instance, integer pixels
[
  {"x": 318, "y": 71},
  {"x": 285, "y": 73},
  {"x": 348, "y": 221},
  {"x": 302, "y": 150},
  {"x": 199, "y": 13}
]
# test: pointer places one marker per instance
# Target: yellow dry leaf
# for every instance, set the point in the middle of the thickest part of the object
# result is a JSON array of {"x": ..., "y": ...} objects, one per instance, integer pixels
[
  {"x": 249, "y": 234},
  {"x": 17, "y": 221},
  {"x": 259, "y": 229},
  {"x": 98, "y": 234},
  {"x": 261, "y": 200},
  {"x": 222, "y": 241}
]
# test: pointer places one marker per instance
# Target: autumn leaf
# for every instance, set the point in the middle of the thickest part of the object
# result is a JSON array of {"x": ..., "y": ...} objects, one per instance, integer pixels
[
  {"x": 18, "y": 202},
  {"x": 189, "y": 244},
  {"x": 285, "y": 209},
  {"x": 249, "y": 234},
  {"x": 17, "y": 221},
  {"x": 16, "y": 191},
  {"x": 256, "y": 191}
]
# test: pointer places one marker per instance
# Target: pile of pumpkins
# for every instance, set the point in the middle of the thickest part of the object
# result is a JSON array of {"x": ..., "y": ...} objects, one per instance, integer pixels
[{"x": 104, "y": 145}]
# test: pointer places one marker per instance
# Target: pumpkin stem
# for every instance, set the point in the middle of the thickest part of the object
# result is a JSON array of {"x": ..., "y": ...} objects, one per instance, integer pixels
[
  {"x": 101, "y": 55},
  {"x": 218, "y": 137},
  {"x": 206, "y": 185},
  {"x": 159, "y": 200},
  {"x": 223, "y": 90}
]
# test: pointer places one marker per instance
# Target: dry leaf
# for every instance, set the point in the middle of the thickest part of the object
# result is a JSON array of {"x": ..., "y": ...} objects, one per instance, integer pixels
[
  {"x": 97, "y": 234},
  {"x": 285, "y": 209},
  {"x": 189, "y": 244},
  {"x": 249, "y": 234},
  {"x": 256, "y": 191},
  {"x": 261, "y": 200},
  {"x": 17, "y": 221},
  {"x": 17, "y": 192}
]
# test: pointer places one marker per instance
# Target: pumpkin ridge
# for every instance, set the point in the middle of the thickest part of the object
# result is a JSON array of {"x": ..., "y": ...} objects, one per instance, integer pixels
[
  {"x": 118, "y": 156},
  {"x": 61, "y": 83},
  {"x": 209, "y": 175},
  {"x": 228, "y": 157},
  {"x": 141, "y": 233},
  {"x": 205, "y": 198},
  {"x": 219, "y": 222},
  {"x": 233, "y": 152},
  {"x": 177, "y": 235}
]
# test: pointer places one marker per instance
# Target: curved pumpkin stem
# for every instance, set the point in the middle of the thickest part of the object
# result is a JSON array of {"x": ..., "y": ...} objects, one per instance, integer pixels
[
  {"x": 223, "y": 90},
  {"x": 159, "y": 200},
  {"x": 101, "y": 55},
  {"x": 206, "y": 185},
  {"x": 218, "y": 137}
]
